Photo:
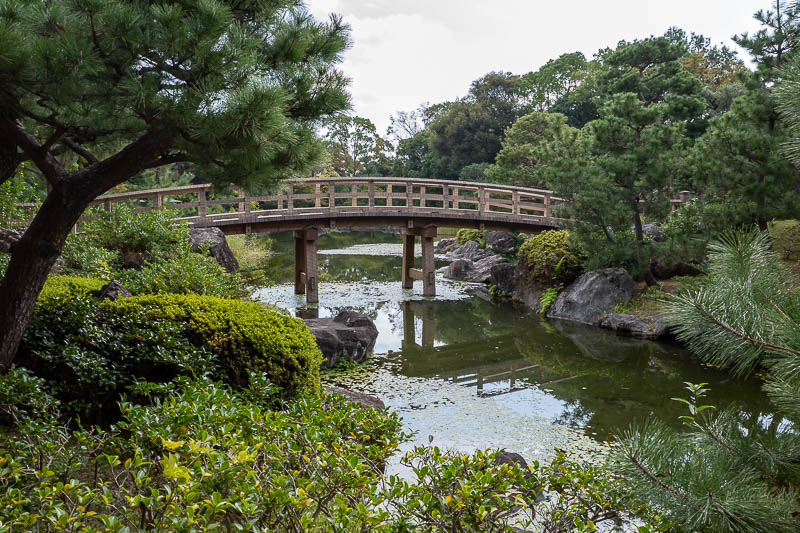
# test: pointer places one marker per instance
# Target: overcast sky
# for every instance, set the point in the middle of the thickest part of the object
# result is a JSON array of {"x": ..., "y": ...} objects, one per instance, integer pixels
[{"x": 406, "y": 52}]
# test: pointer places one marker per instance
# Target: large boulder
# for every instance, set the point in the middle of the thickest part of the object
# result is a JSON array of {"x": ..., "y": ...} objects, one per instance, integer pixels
[
  {"x": 218, "y": 246},
  {"x": 500, "y": 240},
  {"x": 469, "y": 250},
  {"x": 350, "y": 336},
  {"x": 502, "y": 275},
  {"x": 479, "y": 271},
  {"x": 653, "y": 231},
  {"x": 442, "y": 245},
  {"x": 592, "y": 295},
  {"x": 635, "y": 326}
]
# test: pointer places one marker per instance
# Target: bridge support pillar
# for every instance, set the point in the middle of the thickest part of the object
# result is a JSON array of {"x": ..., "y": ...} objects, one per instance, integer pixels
[
  {"x": 428, "y": 272},
  {"x": 305, "y": 264},
  {"x": 408, "y": 260}
]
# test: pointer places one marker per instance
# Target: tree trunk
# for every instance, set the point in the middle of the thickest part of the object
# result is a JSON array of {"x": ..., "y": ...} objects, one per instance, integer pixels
[
  {"x": 637, "y": 226},
  {"x": 32, "y": 258}
]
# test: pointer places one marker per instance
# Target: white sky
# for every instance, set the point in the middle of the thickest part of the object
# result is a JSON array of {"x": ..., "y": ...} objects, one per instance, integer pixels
[{"x": 406, "y": 52}]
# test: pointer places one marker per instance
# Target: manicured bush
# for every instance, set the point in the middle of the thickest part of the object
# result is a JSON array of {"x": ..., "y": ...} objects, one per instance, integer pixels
[
  {"x": 67, "y": 287},
  {"x": 184, "y": 273},
  {"x": 245, "y": 336},
  {"x": 89, "y": 356},
  {"x": 548, "y": 259},
  {"x": 464, "y": 235}
]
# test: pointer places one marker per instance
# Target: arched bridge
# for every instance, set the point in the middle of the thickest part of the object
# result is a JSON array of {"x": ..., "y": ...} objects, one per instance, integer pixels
[{"x": 416, "y": 206}]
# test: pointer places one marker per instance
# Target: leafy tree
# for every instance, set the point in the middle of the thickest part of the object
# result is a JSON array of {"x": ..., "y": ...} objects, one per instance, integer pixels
[
  {"x": 474, "y": 172},
  {"x": 739, "y": 160},
  {"x": 517, "y": 161},
  {"x": 727, "y": 473},
  {"x": 234, "y": 87},
  {"x": 555, "y": 80},
  {"x": 356, "y": 148},
  {"x": 470, "y": 130},
  {"x": 415, "y": 159},
  {"x": 777, "y": 40}
]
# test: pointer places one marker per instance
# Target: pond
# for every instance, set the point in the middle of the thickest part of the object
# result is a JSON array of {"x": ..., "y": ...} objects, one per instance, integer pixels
[{"x": 471, "y": 374}]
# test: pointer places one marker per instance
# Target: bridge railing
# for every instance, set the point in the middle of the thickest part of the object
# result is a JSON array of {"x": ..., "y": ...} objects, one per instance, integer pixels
[{"x": 201, "y": 203}]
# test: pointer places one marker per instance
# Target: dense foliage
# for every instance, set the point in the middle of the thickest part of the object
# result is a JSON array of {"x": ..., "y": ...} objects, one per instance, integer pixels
[
  {"x": 149, "y": 253},
  {"x": 465, "y": 235},
  {"x": 90, "y": 351},
  {"x": 548, "y": 259},
  {"x": 744, "y": 317},
  {"x": 196, "y": 454}
]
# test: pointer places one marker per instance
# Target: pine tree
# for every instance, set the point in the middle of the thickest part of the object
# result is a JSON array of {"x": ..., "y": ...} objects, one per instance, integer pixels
[
  {"x": 728, "y": 473},
  {"x": 119, "y": 87}
]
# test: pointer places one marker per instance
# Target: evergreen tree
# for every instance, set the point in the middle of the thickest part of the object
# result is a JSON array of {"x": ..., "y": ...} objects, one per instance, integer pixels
[
  {"x": 727, "y": 473},
  {"x": 236, "y": 88}
]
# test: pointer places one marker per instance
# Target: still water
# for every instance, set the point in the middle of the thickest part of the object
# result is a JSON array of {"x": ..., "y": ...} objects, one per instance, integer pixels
[{"x": 471, "y": 374}]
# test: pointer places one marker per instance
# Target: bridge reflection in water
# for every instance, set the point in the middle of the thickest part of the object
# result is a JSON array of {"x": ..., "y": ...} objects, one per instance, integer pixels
[{"x": 477, "y": 364}]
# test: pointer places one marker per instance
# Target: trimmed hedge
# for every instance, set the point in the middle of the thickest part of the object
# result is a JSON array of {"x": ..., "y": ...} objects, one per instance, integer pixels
[
  {"x": 69, "y": 287},
  {"x": 90, "y": 352},
  {"x": 548, "y": 258},
  {"x": 246, "y": 336},
  {"x": 464, "y": 235}
]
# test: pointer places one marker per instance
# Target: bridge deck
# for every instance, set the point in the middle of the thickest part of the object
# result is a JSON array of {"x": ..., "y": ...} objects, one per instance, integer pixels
[{"x": 354, "y": 202}]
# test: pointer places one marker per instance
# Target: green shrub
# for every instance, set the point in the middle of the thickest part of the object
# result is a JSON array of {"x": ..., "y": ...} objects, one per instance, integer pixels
[
  {"x": 184, "y": 273},
  {"x": 66, "y": 287},
  {"x": 246, "y": 336},
  {"x": 548, "y": 259},
  {"x": 82, "y": 255},
  {"x": 206, "y": 457},
  {"x": 89, "y": 356},
  {"x": 547, "y": 299},
  {"x": 4, "y": 259},
  {"x": 153, "y": 235},
  {"x": 464, "y": 235}
]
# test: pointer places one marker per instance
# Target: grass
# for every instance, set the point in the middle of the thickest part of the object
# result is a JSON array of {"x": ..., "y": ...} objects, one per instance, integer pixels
[{"x": 646, "y": 301}]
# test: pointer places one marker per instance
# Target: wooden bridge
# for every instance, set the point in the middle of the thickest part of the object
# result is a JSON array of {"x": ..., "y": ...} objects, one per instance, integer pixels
[{"x": 417, "y": 207}]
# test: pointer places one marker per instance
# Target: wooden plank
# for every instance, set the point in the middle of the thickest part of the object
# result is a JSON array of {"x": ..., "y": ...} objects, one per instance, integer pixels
[{"x": 415, "y": 274}]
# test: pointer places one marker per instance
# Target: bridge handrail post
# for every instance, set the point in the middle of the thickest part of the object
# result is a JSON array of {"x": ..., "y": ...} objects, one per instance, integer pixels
[
  {"x": 290, "y": 199},
  {"x": 201, "y": 204},
  {"x": 371, "y": 194},
  {"x": 317, "y": 195},
  {"x": 158, "y": 202},
  {"x": 482, "y": 206},
  {"x": 242, "y": 203},
  {"x": 547, "y": 204}
]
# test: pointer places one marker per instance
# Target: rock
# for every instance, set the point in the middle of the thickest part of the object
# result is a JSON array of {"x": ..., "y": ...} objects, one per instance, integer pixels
[
  {"x": 635, "y": 326},
  {"x": 502, "y": 275},
  {"x": 479, "y": 291},
  {"x": 593, "y": 294},
  {"x": 505, "y": 458},
  {"x": 469, "y": 250},
  {"x": 111, "y": 291},
  {"x": 364, "y": 400},
  {"x": 442, "y": 245},
  {"x": 8, "y": 237},
  {"x": 651, "y": 230},
  {"x": 218, "y": 246},
  {"x": 350, "y": 336},
  {"x": 475, "y": 271},
  {"x": 523, "y": 292},
  {"x": 500, "y": 240}
]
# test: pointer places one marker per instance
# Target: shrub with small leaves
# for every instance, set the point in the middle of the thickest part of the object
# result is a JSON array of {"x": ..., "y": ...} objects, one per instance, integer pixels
[
  {"x": 548, "y": 259},
  {"x": 246, "y": 336},
  {"x": 67, "y": 287},
  {"x": 465, "y": 235}
]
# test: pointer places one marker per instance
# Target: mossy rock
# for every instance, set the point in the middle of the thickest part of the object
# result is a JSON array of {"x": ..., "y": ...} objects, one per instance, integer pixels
[{"x": 465, "y": 235}]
